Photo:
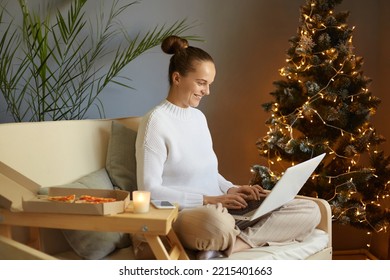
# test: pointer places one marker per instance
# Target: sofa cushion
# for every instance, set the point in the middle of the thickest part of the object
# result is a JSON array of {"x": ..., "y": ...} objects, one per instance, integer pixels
[
  {"x": 120, "y": 161},
  {"x": 93, "y": 245},
  {"x": 96, "y": 180}
]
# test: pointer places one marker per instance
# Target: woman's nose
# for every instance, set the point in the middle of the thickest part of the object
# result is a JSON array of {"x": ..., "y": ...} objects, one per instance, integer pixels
[{"x": 206, "y": 91}]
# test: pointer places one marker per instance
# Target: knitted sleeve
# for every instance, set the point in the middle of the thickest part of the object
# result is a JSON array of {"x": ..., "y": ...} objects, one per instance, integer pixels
[{"x": 224, "y": 184}]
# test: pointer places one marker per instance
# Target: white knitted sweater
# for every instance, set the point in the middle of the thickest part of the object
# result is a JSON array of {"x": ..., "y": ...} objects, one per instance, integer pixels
[{"x": 175, "y": 156}]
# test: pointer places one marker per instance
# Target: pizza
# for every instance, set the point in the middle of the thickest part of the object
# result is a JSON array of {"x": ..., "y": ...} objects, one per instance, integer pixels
[
  {"x": 63, "y": 198},
  {"x": 94, "y": 199},
  {"x": 82, "y": 199}
]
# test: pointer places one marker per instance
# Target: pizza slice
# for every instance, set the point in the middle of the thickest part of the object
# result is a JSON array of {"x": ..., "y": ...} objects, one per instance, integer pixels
[
  {"x": 94, "y": 199},
  {"x": 63, "y": 198}
]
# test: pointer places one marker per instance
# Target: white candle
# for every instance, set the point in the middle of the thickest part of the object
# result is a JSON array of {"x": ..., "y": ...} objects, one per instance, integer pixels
[{"x": 141, "y": 201}]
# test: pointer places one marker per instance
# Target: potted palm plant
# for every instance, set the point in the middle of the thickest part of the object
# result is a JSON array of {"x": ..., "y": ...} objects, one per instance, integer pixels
[{"x": 49, "y": 66}]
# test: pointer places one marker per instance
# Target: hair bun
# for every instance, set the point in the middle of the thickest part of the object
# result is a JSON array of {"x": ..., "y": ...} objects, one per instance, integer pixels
[{"x": 174, "y": 44}]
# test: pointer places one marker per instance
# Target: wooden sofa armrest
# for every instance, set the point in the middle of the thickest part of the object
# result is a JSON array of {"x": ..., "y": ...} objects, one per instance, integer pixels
[{"x": 13, "y": 250}]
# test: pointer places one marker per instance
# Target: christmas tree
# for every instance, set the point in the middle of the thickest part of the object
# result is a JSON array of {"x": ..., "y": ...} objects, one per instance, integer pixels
[{"x": 322, "y": 104}]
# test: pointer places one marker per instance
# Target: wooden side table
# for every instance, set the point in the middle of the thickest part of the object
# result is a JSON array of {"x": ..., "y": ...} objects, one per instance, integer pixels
[{"x": 152, "y": 225}]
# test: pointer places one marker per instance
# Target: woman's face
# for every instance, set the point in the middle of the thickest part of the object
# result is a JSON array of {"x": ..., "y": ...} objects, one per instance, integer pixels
[{"x": 191, "y": 88}]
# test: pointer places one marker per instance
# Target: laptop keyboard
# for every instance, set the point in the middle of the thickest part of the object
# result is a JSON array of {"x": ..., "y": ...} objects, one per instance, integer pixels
[{"x": 252, "y": 205}]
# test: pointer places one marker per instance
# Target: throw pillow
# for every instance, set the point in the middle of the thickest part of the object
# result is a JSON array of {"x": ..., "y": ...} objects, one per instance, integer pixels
[
  {"x": 93, "y": 245},
  {"x": 120, "y": 161},
  {"x": 96, "y": 180}
]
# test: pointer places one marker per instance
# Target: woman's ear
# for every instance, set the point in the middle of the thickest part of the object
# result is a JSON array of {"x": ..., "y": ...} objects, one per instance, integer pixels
[{"x": 176, "y": 78}]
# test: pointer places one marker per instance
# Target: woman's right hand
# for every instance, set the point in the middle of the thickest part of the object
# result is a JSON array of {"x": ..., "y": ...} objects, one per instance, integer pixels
[{"x": 230, "y": 201}]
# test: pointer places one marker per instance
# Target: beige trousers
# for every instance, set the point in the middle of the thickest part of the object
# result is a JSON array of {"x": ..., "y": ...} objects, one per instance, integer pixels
[{"x": 211, "y": 227}]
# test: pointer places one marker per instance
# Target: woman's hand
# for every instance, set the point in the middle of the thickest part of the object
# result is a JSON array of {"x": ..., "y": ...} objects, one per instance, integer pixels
[
  {"x": 230, "y": 201},
  {"x": 248, "y": 192},
  {"x": 237, "y": 197}
]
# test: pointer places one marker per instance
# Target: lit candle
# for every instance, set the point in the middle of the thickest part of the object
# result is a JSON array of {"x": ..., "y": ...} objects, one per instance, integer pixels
[{"x": 141, "y": 201}]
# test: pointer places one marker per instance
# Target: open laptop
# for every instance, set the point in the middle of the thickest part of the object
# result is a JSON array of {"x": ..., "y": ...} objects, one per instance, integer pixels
[{"x": 284, "y": 191}]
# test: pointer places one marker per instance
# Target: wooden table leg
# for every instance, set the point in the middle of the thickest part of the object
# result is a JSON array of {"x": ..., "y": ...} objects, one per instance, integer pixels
[
  {"x": 176, "y": 250},
  {"x": 5, "y": 230},
  {"x": 157, "y": 247},
  {"x": 172, "y": 237},
  {"x": 34, "y": 238}
]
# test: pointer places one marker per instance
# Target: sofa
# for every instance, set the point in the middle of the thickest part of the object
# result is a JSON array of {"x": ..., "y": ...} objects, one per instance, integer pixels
[{"x": 101, "y": 154}]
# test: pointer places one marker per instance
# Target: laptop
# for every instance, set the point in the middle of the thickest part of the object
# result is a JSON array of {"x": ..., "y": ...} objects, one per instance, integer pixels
[{"x": 284, "y": 191}]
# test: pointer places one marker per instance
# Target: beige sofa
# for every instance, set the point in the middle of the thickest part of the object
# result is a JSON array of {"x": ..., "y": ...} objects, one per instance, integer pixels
[{"x": 62, "y": 152}]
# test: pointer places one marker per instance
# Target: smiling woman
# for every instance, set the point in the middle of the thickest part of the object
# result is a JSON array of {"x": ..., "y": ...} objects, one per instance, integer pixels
[
  {"x": 187, "y": 91},
  {"x": 191, "y": 72},
  {"x": 176, "y": 162}
]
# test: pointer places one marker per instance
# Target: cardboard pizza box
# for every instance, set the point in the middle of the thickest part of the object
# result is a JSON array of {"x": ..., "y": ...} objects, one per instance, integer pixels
[
  {"x": 14, "y": 187},
  {"x": 42, "y": 204}
]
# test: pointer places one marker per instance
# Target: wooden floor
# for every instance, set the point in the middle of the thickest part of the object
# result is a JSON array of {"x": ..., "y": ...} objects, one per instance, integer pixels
[{"x": 361, "y": 254}]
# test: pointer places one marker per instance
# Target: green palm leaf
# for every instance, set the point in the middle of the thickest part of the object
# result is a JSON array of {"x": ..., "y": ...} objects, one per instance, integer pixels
[{"x": 55, "y": 74}]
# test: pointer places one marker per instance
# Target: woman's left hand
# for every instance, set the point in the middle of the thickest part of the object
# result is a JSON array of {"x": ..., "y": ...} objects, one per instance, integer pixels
[{"x": 254, "y": 192}]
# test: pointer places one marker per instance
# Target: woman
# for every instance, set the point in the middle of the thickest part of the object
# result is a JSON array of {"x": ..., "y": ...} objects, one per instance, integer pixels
[{"x": 176, "y": 162}]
